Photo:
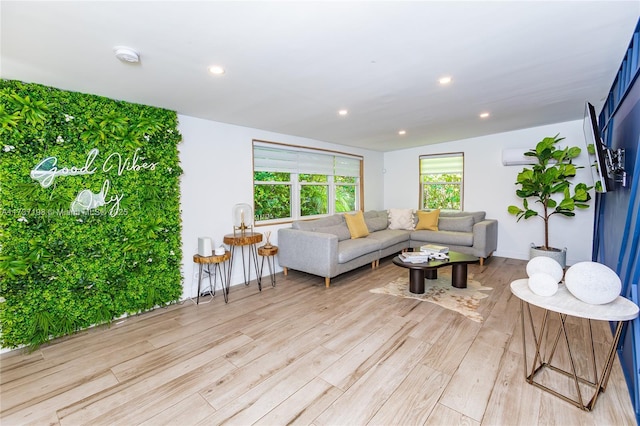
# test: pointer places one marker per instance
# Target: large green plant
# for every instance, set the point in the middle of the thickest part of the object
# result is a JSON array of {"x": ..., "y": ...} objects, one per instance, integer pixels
[
  {"x": 548, "y": 184},
  {"x": 89, "y": 211}
]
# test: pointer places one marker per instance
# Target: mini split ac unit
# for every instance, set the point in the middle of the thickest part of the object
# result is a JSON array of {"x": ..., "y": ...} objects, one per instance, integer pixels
[{"x": 516, "y": 157}]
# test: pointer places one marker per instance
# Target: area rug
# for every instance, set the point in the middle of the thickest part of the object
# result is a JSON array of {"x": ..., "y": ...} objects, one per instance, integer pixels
[{"x": 439, "y": 291}]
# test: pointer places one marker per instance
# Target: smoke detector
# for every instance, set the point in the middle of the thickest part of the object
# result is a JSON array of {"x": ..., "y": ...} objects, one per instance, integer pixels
[{"x": 126, "y": 54}]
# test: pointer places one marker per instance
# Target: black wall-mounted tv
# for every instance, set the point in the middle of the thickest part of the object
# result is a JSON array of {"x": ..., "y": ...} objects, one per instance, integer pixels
[{"x": 597, "y": 150}]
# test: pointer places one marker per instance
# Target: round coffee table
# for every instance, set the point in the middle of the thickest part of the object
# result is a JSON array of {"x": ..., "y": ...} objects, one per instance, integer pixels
[{"x": 429, "y": 270}]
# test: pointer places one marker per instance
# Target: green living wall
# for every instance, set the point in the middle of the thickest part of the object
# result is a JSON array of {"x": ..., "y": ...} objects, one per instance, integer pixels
[{"x": 89, "y": 211}]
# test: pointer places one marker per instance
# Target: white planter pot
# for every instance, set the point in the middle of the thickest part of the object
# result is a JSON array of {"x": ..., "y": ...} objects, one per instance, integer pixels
[{"x": 558, "y": 255}]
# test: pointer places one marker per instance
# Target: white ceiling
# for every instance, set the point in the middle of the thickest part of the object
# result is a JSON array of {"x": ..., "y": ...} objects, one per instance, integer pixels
[{"x": 290, "y": 66}]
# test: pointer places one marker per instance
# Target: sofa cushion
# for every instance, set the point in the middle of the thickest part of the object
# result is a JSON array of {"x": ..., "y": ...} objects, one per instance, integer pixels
[
  {"x": 459, "y": 224},
  {"x": 357, "y": 226},
  {"x": 389, "y": 237},
  {"x": 341, "y": 231},
  {"x": 444, "y": 237},
  {"x": 353, "y": 248},
  {"x": 428, "y": 220},
  {"x": 314, "y": 224},
  {"x": 477, "y": 216},
  {"x": 376, "y": 220},
  {"x": 334, "y": 224},
  {"x": 401, "y": 219}
]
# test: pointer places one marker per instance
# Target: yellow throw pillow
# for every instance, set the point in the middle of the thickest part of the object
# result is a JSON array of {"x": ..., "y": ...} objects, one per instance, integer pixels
[
  {"x": 428, "y": 220},
  {"x": 356, "y": 224}
]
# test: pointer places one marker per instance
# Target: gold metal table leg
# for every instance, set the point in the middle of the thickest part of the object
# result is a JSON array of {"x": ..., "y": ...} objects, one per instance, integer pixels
[{"x": 541, "y": 362}]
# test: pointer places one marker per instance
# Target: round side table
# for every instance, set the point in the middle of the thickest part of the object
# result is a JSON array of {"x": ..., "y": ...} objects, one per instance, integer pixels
[
  {"x": 269, "y": 253},
  {"x": 216, "y": 260},
  {"x": 243, "y": 239},
  {"x": 561, "y": 305}
]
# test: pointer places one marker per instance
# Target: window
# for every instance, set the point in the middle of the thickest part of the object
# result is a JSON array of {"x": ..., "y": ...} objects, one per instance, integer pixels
[
  {"x": 441, "y": 178},
  {"x": 292, "y": 182}
]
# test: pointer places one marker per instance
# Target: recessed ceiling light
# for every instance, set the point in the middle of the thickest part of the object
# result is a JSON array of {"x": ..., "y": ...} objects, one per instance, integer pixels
[
  {"x": 216, "y": 70},
  {"x": 484, "y": 115},
  {"x": 444, "y": 80},
  {"x": 126, "y": 54},
  {"x": 402, "y": 132},
  {"x": 343, "y": 112}
]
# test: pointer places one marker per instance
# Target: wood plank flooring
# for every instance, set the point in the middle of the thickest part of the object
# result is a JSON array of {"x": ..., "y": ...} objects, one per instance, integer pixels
[{"x": 302, "y": 354}]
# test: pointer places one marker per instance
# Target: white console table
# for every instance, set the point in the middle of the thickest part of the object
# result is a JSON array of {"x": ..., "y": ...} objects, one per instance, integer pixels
[{"x": 564, "y": 304}]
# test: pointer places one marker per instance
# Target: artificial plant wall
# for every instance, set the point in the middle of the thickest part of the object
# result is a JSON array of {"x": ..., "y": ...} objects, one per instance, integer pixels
[{"x": 89, "y": 211}]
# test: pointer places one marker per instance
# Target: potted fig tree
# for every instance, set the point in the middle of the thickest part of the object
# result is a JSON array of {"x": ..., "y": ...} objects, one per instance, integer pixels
[{"x": 546, "y": 190}]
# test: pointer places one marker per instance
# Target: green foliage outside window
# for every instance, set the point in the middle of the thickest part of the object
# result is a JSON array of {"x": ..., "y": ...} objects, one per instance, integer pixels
[
  {"x": 314, "y": 194},
  {"x": 89, "y": 211},
  {"x": 314, "y": 200},
  {"x": 441, "y": 191},
  {"x": 345, "y": 198},
  {"x": 272, "y": 195},
  {"x": 345, "y": 180},
  {"x": 302, "y": 177},
  {"x": 345, "y": 193}
]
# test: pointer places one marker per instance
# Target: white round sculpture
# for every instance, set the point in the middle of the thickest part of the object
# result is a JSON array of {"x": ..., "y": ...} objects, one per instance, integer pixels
[
  {"x": 543, "y": 284},
  {"x": 593, "y": 283},
  {"x": 546, "y": 265}
]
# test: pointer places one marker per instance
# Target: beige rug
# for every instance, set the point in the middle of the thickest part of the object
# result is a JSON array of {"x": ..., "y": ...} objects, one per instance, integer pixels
[{"x": 439, "y": 291}]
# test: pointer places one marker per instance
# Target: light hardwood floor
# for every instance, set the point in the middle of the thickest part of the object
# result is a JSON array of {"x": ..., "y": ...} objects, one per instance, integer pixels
[{"x": 302, "y": 354}]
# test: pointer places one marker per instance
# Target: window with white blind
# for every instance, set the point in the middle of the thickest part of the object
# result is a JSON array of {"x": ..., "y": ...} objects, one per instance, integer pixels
[
  {"x": 291, "y": 182},
  {"x": 441, "y": 181}
]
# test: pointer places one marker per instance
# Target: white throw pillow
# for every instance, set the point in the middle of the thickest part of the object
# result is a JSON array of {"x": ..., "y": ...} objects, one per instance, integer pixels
[{"x": 401, "y": 219}]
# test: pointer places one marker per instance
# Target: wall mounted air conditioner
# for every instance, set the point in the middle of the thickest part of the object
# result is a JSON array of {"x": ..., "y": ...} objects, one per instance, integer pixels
[{"x": 516, "y": 157}]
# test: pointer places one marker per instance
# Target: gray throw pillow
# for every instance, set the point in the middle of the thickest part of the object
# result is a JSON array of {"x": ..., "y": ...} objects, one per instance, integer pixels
[
  {"x": 376, "y": 221},
  {"x": 458, "y": 224}
]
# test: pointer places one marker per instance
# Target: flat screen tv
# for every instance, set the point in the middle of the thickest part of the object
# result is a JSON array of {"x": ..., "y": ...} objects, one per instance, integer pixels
[{"x": 597, "y": 150}]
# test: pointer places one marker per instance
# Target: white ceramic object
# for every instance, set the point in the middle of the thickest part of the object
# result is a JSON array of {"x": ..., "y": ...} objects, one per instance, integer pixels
[
  {"x": 543, "y": 284},
  {"x": 593, "y": 283},
  {"x": 546, "y": 265},
  {"x": 563, "y": 302},
  {"x": 205, "y": 245}
]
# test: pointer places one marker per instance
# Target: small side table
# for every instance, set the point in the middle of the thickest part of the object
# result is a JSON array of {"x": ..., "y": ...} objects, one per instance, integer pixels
[
  {"x": 269, "y": 253},
  {"x": 216, "y": 260},
  {"x": 243, "y": 239},
  {"x": 563, "y": 304}
]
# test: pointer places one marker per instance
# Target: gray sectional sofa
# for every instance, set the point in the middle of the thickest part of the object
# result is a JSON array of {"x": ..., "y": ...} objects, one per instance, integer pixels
[{"x": 324, "y": 246}]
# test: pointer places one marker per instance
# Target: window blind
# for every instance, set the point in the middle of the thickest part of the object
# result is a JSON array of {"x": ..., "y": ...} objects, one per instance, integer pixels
[
  {"x": 274, "y": 160},
  {"x": 441, "y": 163},
  {"x": 346, "y": 166},
  {"x": 290, "y": 160}
]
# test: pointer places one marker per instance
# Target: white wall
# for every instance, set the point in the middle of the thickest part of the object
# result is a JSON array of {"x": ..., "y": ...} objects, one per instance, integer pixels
[
  {"x": 216, "y": 159},
  {"x": 217, "y": 162},
  {"x": 490, "y": 186}
]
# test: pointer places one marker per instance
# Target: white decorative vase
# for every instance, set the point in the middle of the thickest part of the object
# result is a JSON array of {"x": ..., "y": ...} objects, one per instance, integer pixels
[{"x": 558, "y": 255}]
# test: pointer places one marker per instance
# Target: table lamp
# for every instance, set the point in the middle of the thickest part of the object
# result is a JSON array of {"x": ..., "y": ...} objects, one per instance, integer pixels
[{"x": 242, "y": 218}]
